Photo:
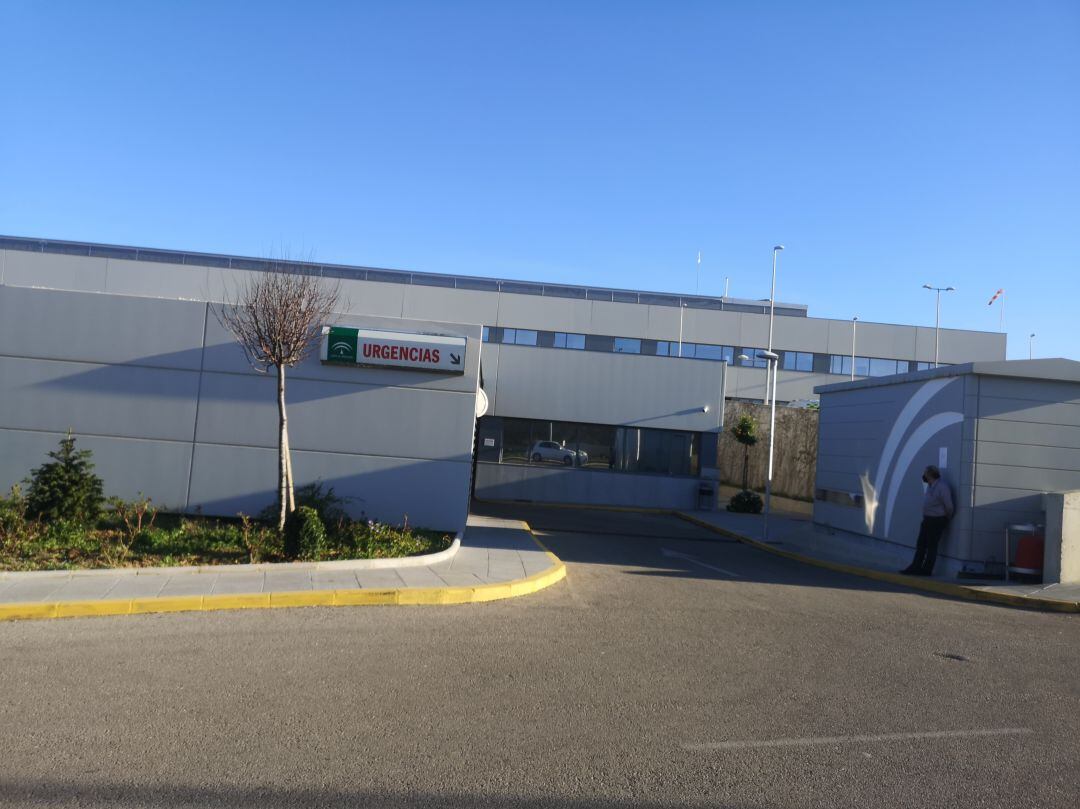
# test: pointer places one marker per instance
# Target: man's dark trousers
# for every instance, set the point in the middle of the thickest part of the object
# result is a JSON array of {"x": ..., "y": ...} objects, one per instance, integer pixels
[{"x": 926, "y": 548}]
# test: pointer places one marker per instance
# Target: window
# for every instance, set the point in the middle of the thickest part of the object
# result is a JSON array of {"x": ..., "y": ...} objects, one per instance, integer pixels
[
  {"x": 568, "y": 340},
  {"x": 879, "y": 367},
  {"x": 704, "y": 351},
  {"x": 516, "y": 440},
  {"x": 752, "y": 359},
  {"x": 840, "y": 364},
  {"x": 595, "y": 446},
  {"x": 598, "y": 342},
  {"x": 923, "y": 366},
  {"x": 797, "y": 361},
  {"x": 662, "y": 452},
  {"x": 597, "y": 443},
  {"x": 673, "y": 348},
  {"x": 627, "y": 345},
  {"x": 486, "y": 337},
  {"x": 524, "y": 337},
  {"x": 508, "y": 335}
]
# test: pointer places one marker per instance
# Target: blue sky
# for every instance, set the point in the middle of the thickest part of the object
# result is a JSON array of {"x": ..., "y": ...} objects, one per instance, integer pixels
[{"x": 886, "y": 144}]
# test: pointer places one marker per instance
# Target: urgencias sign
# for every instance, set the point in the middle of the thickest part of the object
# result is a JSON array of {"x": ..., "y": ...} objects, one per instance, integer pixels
[{"x": 390, "y": 349}]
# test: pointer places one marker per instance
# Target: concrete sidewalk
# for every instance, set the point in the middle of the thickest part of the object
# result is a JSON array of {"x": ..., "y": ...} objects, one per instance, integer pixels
[
  {"x": 497, "y": 558},
  {"x": 796, "y": 536}
]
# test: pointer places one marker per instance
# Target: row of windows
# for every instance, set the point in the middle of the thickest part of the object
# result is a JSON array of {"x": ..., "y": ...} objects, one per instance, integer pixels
[
  {"x": 590, "y": 446},
  {"x": 746, "y": 356}
]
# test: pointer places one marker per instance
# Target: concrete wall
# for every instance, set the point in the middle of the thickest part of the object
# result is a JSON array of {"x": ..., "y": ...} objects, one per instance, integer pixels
[
  {"x": 167, "y": 402},
  {"x": 1061, "y": 559},
  {"x": 795, "y": 450},
  {"x": 554, "y": 485},
  {"x": 167, "y": 279}
]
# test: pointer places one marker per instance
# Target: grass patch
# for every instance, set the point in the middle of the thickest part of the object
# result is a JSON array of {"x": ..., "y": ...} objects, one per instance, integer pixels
[{"x": 134, "y": 534}]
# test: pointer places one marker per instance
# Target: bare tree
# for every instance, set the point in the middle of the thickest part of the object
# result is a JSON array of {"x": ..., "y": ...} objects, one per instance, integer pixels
[{"x": 277, "y": 318}]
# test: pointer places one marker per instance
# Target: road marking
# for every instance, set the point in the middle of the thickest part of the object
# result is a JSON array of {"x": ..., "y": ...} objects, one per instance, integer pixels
[
  {"x": 696, "y": 561},
  {"x": 880, "y": 737}
]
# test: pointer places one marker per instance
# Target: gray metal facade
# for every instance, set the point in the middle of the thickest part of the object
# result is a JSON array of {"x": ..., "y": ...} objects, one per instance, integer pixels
[
  {"x": 166, "y": 400},
  {"x": 538, "y": 381},
  {"x": 645, "y": 316},
  {"x": 1007, "y": 432}
]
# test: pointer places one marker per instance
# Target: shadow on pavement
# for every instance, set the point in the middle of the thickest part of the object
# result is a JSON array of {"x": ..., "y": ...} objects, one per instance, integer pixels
[
  {"x": 660, "y": 545},
  {"x": 119, "y": 795}
]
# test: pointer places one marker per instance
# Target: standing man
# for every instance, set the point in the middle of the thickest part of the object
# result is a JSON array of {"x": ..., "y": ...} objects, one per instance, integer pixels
[{"x": 937, "y": 510}]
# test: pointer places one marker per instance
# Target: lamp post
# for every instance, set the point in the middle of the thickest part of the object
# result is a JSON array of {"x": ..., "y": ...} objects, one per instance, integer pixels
[
  {"x": 937, "y": 318},
  {"x": 1031, "y": 338},
  {"x": 772, "y": 358},
  {"x": 854, "y": 320},
  {"x": 772, "y": 310},
  {"x": 682, "y": 306}
]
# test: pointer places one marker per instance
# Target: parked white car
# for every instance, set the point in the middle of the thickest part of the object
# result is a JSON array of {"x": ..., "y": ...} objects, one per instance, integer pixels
[{"x": 550, "y": 451}]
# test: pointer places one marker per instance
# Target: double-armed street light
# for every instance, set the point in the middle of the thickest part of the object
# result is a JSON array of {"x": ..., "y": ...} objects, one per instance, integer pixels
[
  {"x": 937, "y": 318},
  {"x": 854, "y": 321},
  {"x": 772, "y": 311}
]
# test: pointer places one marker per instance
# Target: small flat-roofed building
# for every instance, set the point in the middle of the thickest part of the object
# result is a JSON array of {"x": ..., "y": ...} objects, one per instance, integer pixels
[{"x": 1004, "y": 434}]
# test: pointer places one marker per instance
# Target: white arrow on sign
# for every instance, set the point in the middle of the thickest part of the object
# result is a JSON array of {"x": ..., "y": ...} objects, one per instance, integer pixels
[{"x": 689, "y": 558}]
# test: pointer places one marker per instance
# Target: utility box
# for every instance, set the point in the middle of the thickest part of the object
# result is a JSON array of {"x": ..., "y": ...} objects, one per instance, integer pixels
[{"x": 1002, "y": 433}]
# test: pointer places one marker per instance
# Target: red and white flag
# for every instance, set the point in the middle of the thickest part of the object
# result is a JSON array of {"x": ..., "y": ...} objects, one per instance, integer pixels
[{"x": 997, "y": 295}]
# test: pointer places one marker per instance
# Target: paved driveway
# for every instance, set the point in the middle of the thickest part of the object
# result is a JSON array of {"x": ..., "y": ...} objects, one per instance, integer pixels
[{"x": 669, "y": 669}]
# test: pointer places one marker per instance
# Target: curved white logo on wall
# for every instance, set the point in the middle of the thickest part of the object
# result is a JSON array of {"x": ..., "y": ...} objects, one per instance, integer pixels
[
  {"x": 895, "y": 473},
  {"x": 341, "y": 349}
]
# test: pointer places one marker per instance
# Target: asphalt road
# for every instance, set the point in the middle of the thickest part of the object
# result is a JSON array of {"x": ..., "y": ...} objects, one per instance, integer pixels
[{"x": 719, "y": 677}]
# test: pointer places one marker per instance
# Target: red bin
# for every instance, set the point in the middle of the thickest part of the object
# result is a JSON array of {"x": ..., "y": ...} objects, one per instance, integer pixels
[{"x": 1029, "y": 555}]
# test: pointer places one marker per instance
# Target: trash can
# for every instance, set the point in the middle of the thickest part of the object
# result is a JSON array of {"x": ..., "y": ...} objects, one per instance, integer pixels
[
  {"x": 1029, "y": 550},
  {"x": 706, "y": 496}
]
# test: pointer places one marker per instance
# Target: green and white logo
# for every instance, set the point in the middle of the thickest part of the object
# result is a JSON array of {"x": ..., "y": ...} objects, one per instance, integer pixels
[{"x": 341, "y": 345}]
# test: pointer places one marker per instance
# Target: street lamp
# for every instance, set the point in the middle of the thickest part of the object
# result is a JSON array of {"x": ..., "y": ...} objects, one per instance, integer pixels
[
  {"x": 772, "y": 309},
  {"x": 772, "y": 357},
  {"x": 854, "y": 320},
  {"x": 937, "y": 319},
  {"x": 682, "y": 308},
  {"x": 1031, "y": 337}
]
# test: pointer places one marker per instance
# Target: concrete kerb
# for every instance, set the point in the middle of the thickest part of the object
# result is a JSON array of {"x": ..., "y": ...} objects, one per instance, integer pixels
[
  {"x": 927, "y": 585},
  {"x": 411, "y": 596}
]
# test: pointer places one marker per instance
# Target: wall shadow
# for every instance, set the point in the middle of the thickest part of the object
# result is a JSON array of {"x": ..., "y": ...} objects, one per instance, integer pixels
[
  {"x": 654, "y": 546},
  {"x": 115, "y": 794}
]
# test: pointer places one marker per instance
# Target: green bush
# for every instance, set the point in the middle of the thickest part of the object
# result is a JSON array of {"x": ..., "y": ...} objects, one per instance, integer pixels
[
  {"x": 374, "y": 540},
  {"x": 262, "y": 543},
  {"x": 305, "y": 534},
  {"x": 329, "y": 507},
  {"x": 746, "y": 502},
  {"x": 66, "y": 488}
]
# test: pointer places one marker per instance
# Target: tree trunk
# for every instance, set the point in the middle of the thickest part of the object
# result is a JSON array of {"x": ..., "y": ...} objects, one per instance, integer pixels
[
  {"x": 283, "y": 449},
  {"x": 746, "y": 467},
  {"x": 291, "y": 488}
]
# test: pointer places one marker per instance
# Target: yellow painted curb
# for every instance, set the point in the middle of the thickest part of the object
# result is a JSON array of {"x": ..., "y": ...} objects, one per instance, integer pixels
[
  {"x": 929, "y": 585},
  {"x": 300, "y": 598}
]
